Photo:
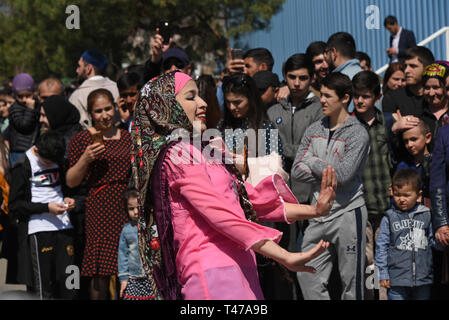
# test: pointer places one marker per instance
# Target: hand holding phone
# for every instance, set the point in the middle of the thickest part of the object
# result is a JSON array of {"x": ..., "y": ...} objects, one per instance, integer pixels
[
  {"x": 236, "y": 64},
  {"x": 97, "y": 138},
  {"x": 237, "y": 54},
  {"x": 164, "y": 31}
]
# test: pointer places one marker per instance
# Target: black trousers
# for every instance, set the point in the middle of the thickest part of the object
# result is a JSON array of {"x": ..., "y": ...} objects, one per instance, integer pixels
[{"x": 51, "y": 253}]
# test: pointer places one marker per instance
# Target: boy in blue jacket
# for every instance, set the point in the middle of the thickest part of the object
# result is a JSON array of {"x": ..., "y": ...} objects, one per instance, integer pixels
[{"x": 403, "y": 250}]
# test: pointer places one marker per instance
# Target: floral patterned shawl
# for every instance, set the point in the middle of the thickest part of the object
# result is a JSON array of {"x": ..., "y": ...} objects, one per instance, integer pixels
[{"x": 156, "y": 116}]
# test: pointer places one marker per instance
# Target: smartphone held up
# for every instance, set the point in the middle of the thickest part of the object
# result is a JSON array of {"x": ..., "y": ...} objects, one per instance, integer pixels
[
  {"x": 97, "y": 138},
  {"x": 165, "y": 31},
  {"x": 237, "y": 54}
]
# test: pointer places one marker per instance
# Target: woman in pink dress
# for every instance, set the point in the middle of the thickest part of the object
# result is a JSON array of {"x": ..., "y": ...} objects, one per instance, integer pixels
[{"x": 197, "y": 221}]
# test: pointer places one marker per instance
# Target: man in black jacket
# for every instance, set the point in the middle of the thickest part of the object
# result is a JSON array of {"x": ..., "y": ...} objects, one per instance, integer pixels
[{"x": 400, "y": 41}]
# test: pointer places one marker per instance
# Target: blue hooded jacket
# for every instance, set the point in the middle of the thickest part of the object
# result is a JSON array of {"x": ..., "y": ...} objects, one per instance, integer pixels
[{"x": 403, "y": 247}]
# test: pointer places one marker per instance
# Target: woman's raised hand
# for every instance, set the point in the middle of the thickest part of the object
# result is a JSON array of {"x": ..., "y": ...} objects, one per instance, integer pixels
[
  {"x": 327, "y": 193},
  {"x": 297, "y": 260},
  {"x": 404, "y": 123},
  {"x": 93, "y": 151}
]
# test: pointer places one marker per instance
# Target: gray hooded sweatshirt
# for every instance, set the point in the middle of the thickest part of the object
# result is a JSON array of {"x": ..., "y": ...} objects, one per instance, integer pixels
[
  {"x": 292, "y": 123},
  {"x": 346, "y": 152}
]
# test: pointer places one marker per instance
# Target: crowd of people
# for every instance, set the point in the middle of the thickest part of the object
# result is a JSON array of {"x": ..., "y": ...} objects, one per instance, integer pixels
[{"x": 157, "y": 185}]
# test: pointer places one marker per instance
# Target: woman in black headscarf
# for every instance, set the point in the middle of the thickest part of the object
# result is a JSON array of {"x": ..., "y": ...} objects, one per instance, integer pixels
[{"x": 57, "y": 114}]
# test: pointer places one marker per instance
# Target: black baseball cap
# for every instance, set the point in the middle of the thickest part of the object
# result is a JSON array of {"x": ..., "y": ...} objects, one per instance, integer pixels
[{"x": 177, "y": 53}]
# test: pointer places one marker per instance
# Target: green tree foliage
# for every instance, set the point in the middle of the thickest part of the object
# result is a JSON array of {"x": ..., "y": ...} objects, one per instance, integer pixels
[{"x": 34, "y": 37}]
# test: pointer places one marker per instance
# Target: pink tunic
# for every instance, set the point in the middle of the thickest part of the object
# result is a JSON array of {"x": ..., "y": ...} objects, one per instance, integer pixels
[{"x": 211, "y": 234}]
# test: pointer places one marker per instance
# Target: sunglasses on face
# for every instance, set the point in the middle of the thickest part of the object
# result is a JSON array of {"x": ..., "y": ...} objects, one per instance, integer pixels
[
  {"x": 128, "y": 95},
  {"x": 178, "y": 64},
  {"x": 237, "y": 81},
  {"x": 263, "y": 90}
]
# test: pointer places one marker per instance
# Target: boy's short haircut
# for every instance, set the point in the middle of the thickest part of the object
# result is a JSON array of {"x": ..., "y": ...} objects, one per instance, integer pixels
[
  {"x": 51, "y": 146},
  {"x": 424, "y": 55},
  {"x": 362, "y": 56},
  {"x": 344, "y": 43},
  {"x": 261, "y": 55},
  {"x": 338, "y": 82},
  {"x": 390, "y": 20},
  {"x": 127, "y": 81},
  {"x": 407, "y": 177},
  {"x": 366, "y": 80},
  {"x": 298, "y": 61},
  {"x": 424, "y": 127},
  {"x": 315, "y": 49}
]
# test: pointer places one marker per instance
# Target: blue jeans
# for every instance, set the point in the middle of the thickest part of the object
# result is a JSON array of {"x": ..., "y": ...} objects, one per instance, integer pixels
[{"x": 409, "y": 293}]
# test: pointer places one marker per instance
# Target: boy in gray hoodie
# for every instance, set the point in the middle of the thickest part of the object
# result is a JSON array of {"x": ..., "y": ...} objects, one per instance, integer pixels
[{"x": 341, "y": 141}]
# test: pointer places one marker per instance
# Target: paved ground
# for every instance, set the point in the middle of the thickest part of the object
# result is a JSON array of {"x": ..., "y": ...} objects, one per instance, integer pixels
[{"x": 10, "y": 291}]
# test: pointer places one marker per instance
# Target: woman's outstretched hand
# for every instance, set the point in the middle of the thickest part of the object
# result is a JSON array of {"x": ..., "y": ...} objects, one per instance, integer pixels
[
  {"x": 297, "y": 260},
  {"x": 327, "y": 193}
]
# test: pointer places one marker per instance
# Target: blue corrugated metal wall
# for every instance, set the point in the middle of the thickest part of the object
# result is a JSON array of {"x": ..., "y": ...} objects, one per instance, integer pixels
[{"x": 303, "y": 21}]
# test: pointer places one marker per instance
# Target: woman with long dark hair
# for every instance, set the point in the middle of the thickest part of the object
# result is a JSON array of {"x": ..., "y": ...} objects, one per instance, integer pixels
[{"x": 245, "y": 110}]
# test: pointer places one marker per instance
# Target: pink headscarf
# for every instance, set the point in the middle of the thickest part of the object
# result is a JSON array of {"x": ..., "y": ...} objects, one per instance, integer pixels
[{"x": 181, "y": 80}]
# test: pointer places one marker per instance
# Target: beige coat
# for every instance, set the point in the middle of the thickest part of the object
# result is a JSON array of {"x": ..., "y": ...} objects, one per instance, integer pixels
[{"x": 79, "y": 96}]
